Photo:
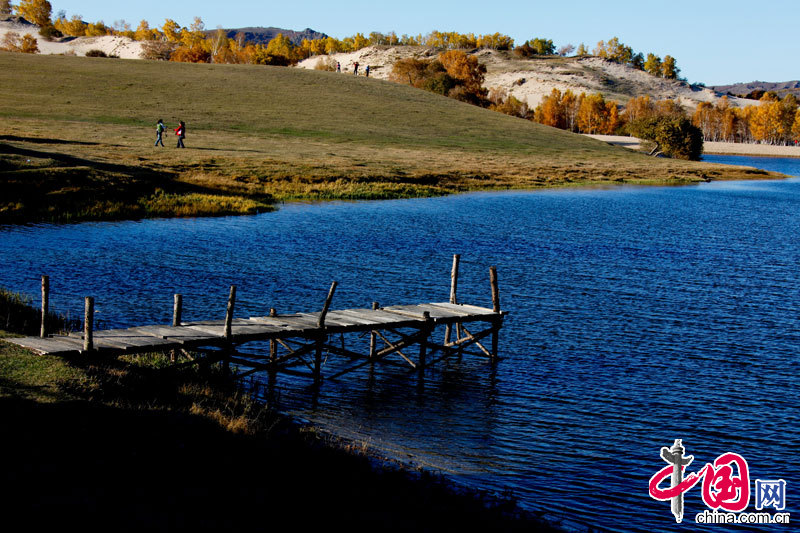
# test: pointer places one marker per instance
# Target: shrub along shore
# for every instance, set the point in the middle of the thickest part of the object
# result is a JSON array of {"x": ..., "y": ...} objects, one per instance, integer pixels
[
  {"x": 79, "y": 144},
  {"x": 140, "y": 443}
]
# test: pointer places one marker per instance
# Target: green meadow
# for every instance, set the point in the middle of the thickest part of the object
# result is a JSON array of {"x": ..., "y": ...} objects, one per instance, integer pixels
[{"x": 77, "y": 134}]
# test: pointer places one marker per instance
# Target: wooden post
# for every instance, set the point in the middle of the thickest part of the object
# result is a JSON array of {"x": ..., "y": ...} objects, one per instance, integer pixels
[
  {"x": 372, "y": 337},
  {"x": 496, "y": 308},
  {"x": 45, "y": 304},
  {"x": 88, "y": 325},
  {"x": 228, "y": 323},
  {"x": 453, "y": 289},
  {"x": 423, "y": 342},
  {"x": 273, "y": 344},
  {"x": 327, "y": 305},
  {"x": 229, "y": 312},
  {"x": 495, "y": 290},
  {"x": 321, "y": 334},
  {"x": 177, "y": 310}
]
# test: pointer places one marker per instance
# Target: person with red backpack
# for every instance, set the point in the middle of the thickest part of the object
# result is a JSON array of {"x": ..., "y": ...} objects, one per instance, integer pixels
[{"x": 180, "y": 131}]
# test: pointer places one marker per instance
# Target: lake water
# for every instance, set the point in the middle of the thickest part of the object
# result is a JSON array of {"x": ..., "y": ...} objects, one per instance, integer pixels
[{"x": 637, "y": 316}]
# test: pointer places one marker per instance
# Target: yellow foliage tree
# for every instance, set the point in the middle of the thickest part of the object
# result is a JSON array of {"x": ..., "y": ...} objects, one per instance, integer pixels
[
  {"x": 172, "y": 31},
  {"x": 144, "y": 33},
  {"x": 98, "y": 29},
  {"x": 796, "y": 127},
  {"x": 74, "y": 27},
  {"x": 36, "y": 11},
  {"x": 194, "y": 36},
  {"x": 282, "y": 46},
  {"x": 595, "y": 115},
  {"x": 465, "y": 68},
  {"x": 26, "y": 44}
]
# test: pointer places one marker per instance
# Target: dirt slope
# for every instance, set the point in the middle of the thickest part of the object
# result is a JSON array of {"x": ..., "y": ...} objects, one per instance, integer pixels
[{"x": 531, "y": 79}]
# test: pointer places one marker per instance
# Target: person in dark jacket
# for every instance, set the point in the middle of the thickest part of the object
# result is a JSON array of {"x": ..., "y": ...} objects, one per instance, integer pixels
[
  {"x": 180, "y": 131},
  {"x": 159, "y": 131}
]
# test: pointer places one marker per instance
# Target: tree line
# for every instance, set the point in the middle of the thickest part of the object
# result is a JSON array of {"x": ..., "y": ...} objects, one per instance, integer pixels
[
  {"x": 173, "y": 42},
  {"x": 774, "y": 121}
]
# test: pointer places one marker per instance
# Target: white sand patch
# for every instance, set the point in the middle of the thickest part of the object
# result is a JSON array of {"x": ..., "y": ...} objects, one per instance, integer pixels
[
  {"x": 120, "y": 46},
  {"x": 530, "y": 80}
]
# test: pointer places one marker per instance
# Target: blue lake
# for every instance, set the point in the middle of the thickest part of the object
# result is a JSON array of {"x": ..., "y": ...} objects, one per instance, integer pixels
[{"x": 638, "y": 315}]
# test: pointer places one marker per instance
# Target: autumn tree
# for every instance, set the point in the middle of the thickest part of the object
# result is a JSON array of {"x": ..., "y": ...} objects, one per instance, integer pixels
[
  {"x": 98, "y": 29},
  {"x": 614, "y": 50},
  {"x": 652, "y": 65},
  {"x": 172, "y": 31},
  {"x": 503, "y": 102},
  {"x": 5, "y": 8},
  {"x": 772, "y": 121},
  {"x": 144, "y": 33},
  {"x": 470, "y": 74},
  {"x": 36, "y": 11},
  {"x": 412, "y": 71},
  {"x": 669, "y": 68},
  {"x": 716, "y": 121},
  {"x": 674, "y": 136},
  {"x": 596, "y": 115},
  {"x": 74, "y": 27},
  {"x": 26, "y": 44},
  {"x": 582, "y": 50},
  {"x": 193, "y": 36},
  {"x": 796, "y": 127}
]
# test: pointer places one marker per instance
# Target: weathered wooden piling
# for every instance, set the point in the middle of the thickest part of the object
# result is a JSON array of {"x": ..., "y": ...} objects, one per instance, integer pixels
[
  {"x": 322, "y": 335},
  {"x": 177, "y": 310},
  {"x": 45, "y": 305},
  {"x": 373, "y": 337},
  {"x": 227, "y": 330},
  {"x": 453, "y": 298},
  {"x": 424, "y": 333},
  {"x": 88, "y": 324},
  {"x": 496, "y": 308},
  {"x": 273, "y": 344}
]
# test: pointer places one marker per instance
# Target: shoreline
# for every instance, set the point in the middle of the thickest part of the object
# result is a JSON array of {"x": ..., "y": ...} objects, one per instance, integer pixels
[{"x": 712, "y": 148}]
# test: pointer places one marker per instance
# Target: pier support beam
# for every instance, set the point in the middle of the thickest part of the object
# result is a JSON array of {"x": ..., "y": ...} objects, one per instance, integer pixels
[
  {"x": 453, "y": 298},
  {"x": 45, "y": 304},
  {"x": 322, "y": 337},
  {"x": 425, "y": 333},
  {"x": 373, "y": 337},
  {"x": 496, "y": 308},
  {"x": 177, "y": 310},
  {"x": 273, "y": 344},
  {"x": 227, "y": 331},
  {"x": 88, "y": 325}
]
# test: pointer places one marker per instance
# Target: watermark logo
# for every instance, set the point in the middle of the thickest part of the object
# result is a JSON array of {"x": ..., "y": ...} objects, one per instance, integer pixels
[{"x": 726, "y": 487}]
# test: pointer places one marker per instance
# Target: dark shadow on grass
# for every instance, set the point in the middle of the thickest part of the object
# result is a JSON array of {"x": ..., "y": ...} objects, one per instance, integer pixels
[{"x": 39, "y": 140}]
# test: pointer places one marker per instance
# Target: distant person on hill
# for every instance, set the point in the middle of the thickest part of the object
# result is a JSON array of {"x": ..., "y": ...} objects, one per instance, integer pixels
[
  {"x": 355, "y": 68},
  {"x": 159, "y": 130},
  {"x": 180, "y": 131},
  {"x": 366, "y": 71},
  {"x": 338, "y": 67}
]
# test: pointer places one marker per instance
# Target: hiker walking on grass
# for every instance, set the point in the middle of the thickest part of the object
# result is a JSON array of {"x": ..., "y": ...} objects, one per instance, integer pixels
[
  {"x": 180, "y": 131},
  {"x": 160, "y": 130},
  {"x": 355, "y": 68},
  {"x": 366, "y": 71}
]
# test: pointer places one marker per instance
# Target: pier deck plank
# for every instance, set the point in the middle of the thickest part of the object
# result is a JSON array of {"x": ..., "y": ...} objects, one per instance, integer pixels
[{"x": 211, "y": 332}]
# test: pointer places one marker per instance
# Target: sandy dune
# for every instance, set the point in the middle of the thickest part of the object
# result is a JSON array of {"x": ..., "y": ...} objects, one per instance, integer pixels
[
  {"x": 530, "y": 80},
  {"x": 120, "y": 46}
]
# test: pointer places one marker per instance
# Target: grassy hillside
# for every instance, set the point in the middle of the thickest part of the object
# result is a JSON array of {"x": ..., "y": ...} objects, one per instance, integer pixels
[{"x": 76, "y": 141}]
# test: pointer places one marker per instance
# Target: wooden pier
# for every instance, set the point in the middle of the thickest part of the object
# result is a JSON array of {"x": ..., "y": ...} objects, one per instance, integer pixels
[{"x": 297, "y": 341}]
